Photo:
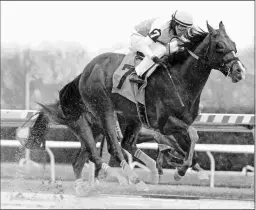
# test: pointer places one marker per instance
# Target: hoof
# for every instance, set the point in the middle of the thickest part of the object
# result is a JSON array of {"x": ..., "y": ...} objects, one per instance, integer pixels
[
  {"x": 141, "y": 186},
  {"x": 134, "y": 179},
  {"x": 84, "y": 189},
  {"x": 122, "y": 181},
  {"x": 129, "y": 182},
  {"x": 176, "y": 176},
  {"x": 114, "y": 173},
  {"x": 102, "y": 175},
  {"x": 154, "y": 178},
  {"x": 203, "y": 175},
  {"x": 160, "y": 172}
]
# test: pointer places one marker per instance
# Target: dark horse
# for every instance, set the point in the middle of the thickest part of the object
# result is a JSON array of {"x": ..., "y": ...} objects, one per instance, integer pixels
[{"x": 94, "y": 106}]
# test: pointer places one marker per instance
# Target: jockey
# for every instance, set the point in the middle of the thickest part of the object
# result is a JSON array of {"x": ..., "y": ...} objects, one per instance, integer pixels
[{"x": 152, "y": 38}]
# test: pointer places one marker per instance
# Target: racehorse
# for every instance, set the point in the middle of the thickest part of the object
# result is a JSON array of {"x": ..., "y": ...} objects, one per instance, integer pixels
[{"x": 94, "y": 104}]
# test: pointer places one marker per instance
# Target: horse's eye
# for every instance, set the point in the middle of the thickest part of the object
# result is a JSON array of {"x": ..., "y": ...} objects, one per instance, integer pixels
[{"x": 219, "y": 47}]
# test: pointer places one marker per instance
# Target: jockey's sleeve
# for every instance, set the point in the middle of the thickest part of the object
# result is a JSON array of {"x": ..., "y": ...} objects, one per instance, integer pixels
[
  {"x": 147, "y": 51},
  {"x": 149, "y": 40}
]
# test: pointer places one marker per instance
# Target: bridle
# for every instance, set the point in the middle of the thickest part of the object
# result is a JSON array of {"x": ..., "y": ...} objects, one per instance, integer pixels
[{"x": 222, "y": 64}]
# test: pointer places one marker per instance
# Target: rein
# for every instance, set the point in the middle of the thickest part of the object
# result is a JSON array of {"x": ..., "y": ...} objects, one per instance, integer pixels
[{"x": 174, "y": 86}]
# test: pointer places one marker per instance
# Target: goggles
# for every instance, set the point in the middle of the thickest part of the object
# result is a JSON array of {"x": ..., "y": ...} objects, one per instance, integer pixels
[{"x": 181, "y": 27}]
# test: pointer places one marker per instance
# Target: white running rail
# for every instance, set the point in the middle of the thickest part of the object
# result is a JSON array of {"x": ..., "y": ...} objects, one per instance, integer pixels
[{"x": 208, "y": 122}]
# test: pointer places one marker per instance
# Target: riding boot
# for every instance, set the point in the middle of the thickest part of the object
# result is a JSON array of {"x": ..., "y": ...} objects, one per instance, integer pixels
[{"x": 136, "y": 78}]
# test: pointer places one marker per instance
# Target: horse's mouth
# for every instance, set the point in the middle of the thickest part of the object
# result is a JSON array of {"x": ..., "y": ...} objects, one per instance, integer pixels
[
  {"x": 237, "y": 76},
  {"x": 235, "y": 79},
  {"x": 238, "y": 73}
]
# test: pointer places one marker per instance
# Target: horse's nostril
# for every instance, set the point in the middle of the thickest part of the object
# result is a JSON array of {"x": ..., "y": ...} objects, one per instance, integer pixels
[{"x": 238, "y": 70}]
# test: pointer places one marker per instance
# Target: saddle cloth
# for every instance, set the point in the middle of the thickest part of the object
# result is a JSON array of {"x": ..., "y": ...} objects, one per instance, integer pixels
[{"x": 127, "y": 89}]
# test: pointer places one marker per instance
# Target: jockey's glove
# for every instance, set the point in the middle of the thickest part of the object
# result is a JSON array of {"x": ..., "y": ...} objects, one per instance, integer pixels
[{"x": 158, "y": 61}]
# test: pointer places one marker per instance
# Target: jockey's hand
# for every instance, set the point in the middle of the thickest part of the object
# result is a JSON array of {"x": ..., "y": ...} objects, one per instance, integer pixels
[
  {"x": 158, "y": 61},
  {"x": 181, "y": 49}
]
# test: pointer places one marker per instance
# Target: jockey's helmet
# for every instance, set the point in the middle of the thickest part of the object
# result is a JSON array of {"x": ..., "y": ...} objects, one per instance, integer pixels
[{"x": 182, "y": 18}]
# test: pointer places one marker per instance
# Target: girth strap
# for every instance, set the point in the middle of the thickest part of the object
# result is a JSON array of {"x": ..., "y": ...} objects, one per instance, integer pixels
[
  {"x": 141, "y": 108},
  {"x": 142, "y": 113}
]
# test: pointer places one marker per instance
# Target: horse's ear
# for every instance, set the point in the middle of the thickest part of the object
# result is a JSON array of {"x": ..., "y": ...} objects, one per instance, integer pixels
[
  {"x": 222, "y": 27},
  {"x": 210, "y": 29}
]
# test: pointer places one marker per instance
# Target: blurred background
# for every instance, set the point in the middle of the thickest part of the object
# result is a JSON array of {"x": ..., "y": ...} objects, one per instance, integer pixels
[{"x": 44, "y": 45}]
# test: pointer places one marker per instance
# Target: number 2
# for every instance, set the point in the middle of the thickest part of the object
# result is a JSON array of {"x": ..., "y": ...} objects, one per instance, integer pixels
[{"x": 155, "y": 34}]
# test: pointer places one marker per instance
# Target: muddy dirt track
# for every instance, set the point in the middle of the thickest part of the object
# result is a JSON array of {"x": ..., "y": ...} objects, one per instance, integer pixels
[
  {"x": 41, "y": 194},
  {"x": 31, "y": 189}
]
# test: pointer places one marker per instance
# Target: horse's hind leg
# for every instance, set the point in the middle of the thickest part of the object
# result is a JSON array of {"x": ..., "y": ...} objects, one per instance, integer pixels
[
  {"x": 81, "y": 187},
  {"x": 82, "y": 130},
  {"x": 81, "y": 158},
  {"x": 129, "y": 144},
  {"x": 108, "y": 121}
]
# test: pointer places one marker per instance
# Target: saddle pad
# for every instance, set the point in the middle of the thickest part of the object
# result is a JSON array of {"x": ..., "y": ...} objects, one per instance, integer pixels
[{"x": 128, "y": 90}]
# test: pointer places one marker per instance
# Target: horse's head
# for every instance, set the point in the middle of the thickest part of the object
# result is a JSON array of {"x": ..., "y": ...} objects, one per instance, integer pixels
[{"x": 221, "y": 54}]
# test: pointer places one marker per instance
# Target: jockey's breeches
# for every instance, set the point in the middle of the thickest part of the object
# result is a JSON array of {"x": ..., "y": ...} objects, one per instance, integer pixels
[{"x": 149, "y": 49}]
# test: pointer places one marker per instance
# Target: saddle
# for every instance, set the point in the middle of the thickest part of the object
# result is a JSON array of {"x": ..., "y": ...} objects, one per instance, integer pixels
[{"x": 130, "y": 90}]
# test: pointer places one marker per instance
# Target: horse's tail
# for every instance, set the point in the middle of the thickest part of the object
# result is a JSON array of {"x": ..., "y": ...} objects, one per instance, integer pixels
[
  {"x": 54, "y": 113},
  {"x": 34, "y": 137}
]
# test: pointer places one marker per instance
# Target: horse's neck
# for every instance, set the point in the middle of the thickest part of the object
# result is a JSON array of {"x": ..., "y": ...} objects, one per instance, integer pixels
[{"x": 194, "y": 74}]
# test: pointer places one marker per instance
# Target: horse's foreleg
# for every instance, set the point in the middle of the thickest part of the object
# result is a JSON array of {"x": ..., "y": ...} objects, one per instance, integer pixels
[
  {"x": 188, "y": 162},
  {"x": 187, "y": 137},
  {"x": 129, "y": 144},
  {"x": 116, "y": 151},
  {"x": 201, "y": 173},
  {"x": 154, "y": 166},
  {"x": 159, "y": 162},
  {"x": 150, "y": 163}
]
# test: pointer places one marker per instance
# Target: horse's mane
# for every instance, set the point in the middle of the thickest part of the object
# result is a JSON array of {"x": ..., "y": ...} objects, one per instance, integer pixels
[{"x": 194, "y": 38}]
